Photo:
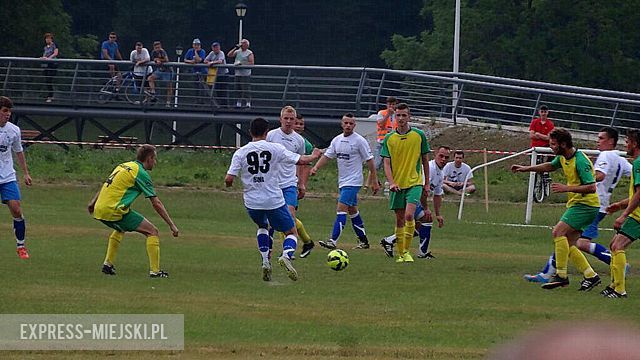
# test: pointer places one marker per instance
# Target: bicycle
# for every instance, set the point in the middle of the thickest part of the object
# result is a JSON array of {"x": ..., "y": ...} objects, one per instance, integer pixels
[
  {"x": 132, "y": 91},
  {"x": 541, "y": 184}
]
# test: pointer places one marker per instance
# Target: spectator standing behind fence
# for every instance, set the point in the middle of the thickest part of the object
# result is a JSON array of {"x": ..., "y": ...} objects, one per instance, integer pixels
[
  {"x": 196, "y": 55},
  {"x": 50, "y": 52},
  {"x": 162, "y": 72},
  {"x": 110, "y": 50},
  {"x": 455, "y": 172},
  {"x": 140, "y": 57},
  {"x": 540, "y": 128},
  {"x": 242, "y": 56},
  {"x": 386, "y": 122},
  {"x": 217, "y": 76}
]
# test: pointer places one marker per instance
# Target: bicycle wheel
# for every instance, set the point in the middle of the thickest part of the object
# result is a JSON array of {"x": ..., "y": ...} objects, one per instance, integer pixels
[
  {"x": 547, "y": 186},
  {"x": 106, "y": 92},
  {"x": 538, "y": 188},
  {"x": 131, "y": 92}
]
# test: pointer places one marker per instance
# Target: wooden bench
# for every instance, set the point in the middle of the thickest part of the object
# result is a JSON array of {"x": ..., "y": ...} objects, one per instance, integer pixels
[
  {"x": 31, "y": 134},
  {"x": 128, "y": 142}
]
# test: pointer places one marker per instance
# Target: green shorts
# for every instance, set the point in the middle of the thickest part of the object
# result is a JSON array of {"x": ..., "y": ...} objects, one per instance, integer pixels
[
  {"x": 579, "y": 216},
  {"x": 400, "y": 199},
  {"x": 129, "y": 222},
  {"x": 630, "y": 228}
]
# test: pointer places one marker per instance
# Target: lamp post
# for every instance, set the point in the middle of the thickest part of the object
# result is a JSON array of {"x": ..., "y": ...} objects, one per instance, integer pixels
[
  {"x": 175, "y": 99},
  {"x": 241, "y": 11},
  {"x": 456, "y": 62}
]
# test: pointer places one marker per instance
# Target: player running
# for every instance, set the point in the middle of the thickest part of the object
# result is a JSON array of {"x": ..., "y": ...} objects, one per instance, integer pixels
[
  {"x": 609, "y": 168},
  {"x": 259, "y": 165},
  {"x": 582, "y": 207}
]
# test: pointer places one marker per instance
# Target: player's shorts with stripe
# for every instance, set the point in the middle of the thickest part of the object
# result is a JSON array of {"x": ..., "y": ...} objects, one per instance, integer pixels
[
  {"x": 290, "y": 194},
  {"x": 280, "y": 218},
  {"x": 9, "y": 191},
  {"x": 400, "y": 199},
  {"x": 349, "y": 195},
  {"x": 129, "y": 222},
  {"x": 580, "y": 216},
  {"x": 630, "y": 228}
]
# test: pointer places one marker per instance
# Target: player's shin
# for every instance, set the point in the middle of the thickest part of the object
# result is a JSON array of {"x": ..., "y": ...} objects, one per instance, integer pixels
[
  {"x": 562, "y": 255},
  {"x": 358, "y": 226},
  {"x": 618, "y": 262},
  {"x": 153, "y": 252},
  {"x": 263, "y": 243},
  {"x": 112, "y": 249},
  {"x": 302, "y": 232},
  {"x": 577, "y": 258},
  {"x": 338, "y": 225},
  {"x": 409, "y": 229},
  {"x": 425, "y": 237},
  {"x": 289, "y": 246},
  {"x": 19, "y": 230}
]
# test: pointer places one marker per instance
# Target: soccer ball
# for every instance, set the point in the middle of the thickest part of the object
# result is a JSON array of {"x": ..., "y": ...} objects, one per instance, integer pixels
[{"x": 337, "y": 259}]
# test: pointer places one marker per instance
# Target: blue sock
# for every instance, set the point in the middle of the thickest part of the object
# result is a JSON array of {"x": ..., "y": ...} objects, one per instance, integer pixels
[
  {"x": 19, "y": 229},
  {"x": 271, "y": 232},
  {"x": 425, "y": 237},
  {"x": 289, "y": 246},
  {"x": 338, "y": 225},
  {"x": 358, "y": 227},
  {"x": 263, "y": 243},
  {"x": 601, "y": 252},
  {"x": 550, "y": 266}
]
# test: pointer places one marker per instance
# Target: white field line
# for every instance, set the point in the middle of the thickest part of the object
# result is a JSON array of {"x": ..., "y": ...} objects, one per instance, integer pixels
[{"x": 523, "y": 225}]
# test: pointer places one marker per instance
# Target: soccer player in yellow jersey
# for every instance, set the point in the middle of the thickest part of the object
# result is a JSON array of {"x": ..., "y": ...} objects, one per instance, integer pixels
[
  {"x": 405, "y": 154},
  {"x": 582, "y": 207},
  {"x": 112, "y": 206},
  {"x": 627, "y": 224}
]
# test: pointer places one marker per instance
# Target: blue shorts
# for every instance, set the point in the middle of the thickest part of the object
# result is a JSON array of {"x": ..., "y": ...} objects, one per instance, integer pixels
[
  {"x": 163, "y": 75},
  {"x": 280, "y": 218},
  {"x": 9, "y": 191},
  {"x": 349, "y": 195},
  {"x": 291, "y": 196},
  {"x": 591, "y": 232}
]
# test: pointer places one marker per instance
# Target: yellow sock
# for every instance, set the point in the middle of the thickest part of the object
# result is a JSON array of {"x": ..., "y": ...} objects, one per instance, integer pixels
[
  {"x": 562, "y": 255},
  {"x": 400, "y": 241},
  {"x": 582, "y": 264},
  {"x": 302, "y": 232},
  {"x": 153, "y": 251},
  {"x": 618, "y": 263},
  {"x": 409, "y": 229},
  {"x": 112, "y": 248}
]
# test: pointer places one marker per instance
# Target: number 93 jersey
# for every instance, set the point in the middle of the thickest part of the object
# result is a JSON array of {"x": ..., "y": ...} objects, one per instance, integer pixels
[{"x": 259, "y": 164}]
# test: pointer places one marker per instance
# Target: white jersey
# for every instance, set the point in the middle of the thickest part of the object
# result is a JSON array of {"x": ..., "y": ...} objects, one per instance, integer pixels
[
  {"x": 292, "y": 142},
  {"x": 9, "y": 141},
  {"x": 259, "y": 164},
  {"x": 350, "y": 152},
  {"x": 436, "y": 178},
  {"x": 613, "y": 166},
  {"x": 452, "y": 173}
]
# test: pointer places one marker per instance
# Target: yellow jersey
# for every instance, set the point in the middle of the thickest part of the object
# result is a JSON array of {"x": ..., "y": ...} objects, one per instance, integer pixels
[
  {"x": 578, "y": 170},
  {"x": 405, "y": 152},
  {"x": 126, "y": 182},
  {"x": 635, "y": 181}
]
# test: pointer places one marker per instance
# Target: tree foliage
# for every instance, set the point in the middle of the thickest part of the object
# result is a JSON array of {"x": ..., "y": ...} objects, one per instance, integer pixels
[{"x": 589, "y": 43}]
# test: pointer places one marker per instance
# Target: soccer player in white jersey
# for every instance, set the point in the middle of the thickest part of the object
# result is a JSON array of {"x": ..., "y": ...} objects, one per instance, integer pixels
[
  {"x": 259, "y": 165},
  {"x": 289, "y": 181},
  {"x": 350, "y": 150},
  {"x": 9, "y": 192},
  {"x": 610, "y": 168},
  {"x": 423, "y": 213}
]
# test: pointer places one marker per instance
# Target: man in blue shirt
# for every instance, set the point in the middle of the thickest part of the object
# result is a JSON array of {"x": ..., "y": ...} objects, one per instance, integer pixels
[
  {"x": 196, "y": 55},
  {"x": 111, "y": 51}
]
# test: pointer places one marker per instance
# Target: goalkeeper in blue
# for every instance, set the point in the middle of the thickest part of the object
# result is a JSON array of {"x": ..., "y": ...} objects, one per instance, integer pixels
[
  {"x": 258, "y": 164},
  {"x": 350, "y": 150},
  {"x": 610, "y": 168}
]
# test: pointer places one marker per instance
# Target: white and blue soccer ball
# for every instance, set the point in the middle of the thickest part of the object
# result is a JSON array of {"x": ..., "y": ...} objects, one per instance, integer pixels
[{"x": 337, "y": 259}]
